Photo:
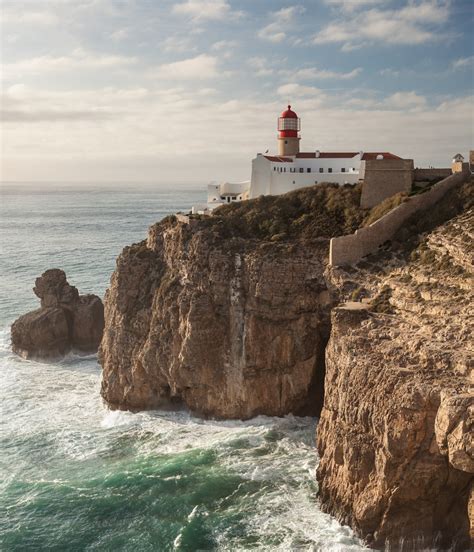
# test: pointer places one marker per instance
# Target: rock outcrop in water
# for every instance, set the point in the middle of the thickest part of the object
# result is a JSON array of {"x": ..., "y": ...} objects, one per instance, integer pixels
[
  {"x": 396, "y": 434},
  {"x": 65, "y": 322},
  {"x": 228, "y": 315}
]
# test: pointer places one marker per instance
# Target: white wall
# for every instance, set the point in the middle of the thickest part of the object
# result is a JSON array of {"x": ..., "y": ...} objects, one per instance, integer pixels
[{"x": 267, "y": 178}]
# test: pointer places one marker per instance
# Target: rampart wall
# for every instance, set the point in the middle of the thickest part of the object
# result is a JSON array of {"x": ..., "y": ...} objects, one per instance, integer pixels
[
  {"x": 351, "y": 248},
  {"x": 419, "y": 175},
  {"x": 383, "y": 178}
]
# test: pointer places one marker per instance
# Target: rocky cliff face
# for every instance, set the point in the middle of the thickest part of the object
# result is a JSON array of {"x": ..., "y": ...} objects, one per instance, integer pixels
[
  {"x": 396, "y": 432},
  {"x": 231, "y": 329},
  {"x": 65, "y": 322},
  {"x": 228, "y": 315}
]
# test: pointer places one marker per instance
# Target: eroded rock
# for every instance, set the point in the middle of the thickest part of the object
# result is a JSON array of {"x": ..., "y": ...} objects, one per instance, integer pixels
[
  {"x": 231, "y": 328},
  {"x": 65, "y": 322},
  {"x": 395, "y": 437}
]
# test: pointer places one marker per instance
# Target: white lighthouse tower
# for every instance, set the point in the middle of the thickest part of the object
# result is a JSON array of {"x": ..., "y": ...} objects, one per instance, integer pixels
[{"x": 288, "y": 128}]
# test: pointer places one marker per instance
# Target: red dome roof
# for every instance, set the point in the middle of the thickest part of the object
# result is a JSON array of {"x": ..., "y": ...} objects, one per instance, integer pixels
[{"x": 289, "y": 114}]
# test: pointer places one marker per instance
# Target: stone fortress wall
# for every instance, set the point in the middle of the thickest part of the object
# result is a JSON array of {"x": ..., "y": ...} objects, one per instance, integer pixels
[
  {"x": 382, "y": 178},
  {"x": 420, "y": 175},
  {"x": 351, "y": 248}
]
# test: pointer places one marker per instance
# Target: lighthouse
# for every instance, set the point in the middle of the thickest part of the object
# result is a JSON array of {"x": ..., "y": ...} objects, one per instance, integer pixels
[
  {"x": 292, "y": 169},
  {"x": 288, "y": 128}
]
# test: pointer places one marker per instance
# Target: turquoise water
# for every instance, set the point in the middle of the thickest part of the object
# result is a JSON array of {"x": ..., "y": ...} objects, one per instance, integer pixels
[{"x": 75, "y": 476}]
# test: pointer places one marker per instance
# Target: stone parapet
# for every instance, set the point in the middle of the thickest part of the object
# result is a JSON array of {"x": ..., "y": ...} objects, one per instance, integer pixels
[
  {"x": 351, "y": 248},
  {"x": 430, "y": 174}
]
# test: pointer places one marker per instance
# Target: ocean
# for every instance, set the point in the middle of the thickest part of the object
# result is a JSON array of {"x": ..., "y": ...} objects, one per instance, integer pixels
[{"x": 75, "y": 476}]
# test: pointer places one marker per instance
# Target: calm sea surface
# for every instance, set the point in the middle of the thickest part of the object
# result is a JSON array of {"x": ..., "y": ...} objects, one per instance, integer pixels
[{"x": 75, "y": 476}]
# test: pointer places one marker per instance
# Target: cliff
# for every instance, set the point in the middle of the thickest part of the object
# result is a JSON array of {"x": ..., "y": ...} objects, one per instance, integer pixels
[
  {"x": 65, "y": 322},
  {"x": 395, "y": 434},
  {"x": 228, "y": 315}
]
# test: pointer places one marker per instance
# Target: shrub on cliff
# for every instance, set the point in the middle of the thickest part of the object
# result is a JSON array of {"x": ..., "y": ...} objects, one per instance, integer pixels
[
  {"x": 385, "y": 207},
  {"x": 324, "y": 210}
]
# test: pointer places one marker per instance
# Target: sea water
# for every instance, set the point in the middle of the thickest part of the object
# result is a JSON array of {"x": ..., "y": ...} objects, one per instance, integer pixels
[{"x": 76, "y": 476}]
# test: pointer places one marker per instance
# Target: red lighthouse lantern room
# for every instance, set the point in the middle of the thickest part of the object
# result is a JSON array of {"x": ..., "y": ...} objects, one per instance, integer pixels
[{"x": 288, "y": 128}]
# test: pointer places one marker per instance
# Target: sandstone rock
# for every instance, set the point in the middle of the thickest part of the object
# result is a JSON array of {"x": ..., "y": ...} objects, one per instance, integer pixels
[
  {"x": 65, "y": 322},
  {"x": 231, "y": 328},
  {"x": 41, "y": 334},
  {"x": 87, "y": 323},
  {"x": 454, "y": 428},
  {"x": 235, "y": 327},
  {"x": 54, "y": 291},
  {"x": 395, "y": 437}
]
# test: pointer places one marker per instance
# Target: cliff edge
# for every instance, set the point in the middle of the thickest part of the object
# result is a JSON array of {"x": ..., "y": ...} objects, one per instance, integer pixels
[
  {"x": 395, "y": 438},
  {"x": 227, "y": 315}
]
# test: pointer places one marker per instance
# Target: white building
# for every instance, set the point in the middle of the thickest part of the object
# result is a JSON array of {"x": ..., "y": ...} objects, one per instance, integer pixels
[{"x": 292, "y": 169}]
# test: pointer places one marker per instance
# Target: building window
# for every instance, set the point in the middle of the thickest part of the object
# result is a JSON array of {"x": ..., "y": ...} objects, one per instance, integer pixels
[
  {"x": 329, "y": 170},
  {"x": 315, "y": 181},
  {"x": 292, "y": 169},
  {"x": 293, "y": 181},
  {"x": 286, "y": 141},
  {"x": 308, "y": 170},
  {"x": 274, "y": 168},
  {"x": 284, "y": 170},
  {"x": 301, "y": 170},
  {"x": 343, "y": 169},
  {"x": 321, "y": 169}
]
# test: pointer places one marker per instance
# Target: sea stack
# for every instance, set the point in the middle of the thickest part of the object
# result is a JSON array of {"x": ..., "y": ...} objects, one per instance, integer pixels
[{"x": 65, "y": 322}]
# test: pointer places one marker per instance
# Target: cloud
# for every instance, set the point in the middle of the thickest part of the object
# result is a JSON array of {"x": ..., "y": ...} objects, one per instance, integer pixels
[
  {"x": 179, "y": 44},
  {"x": 261, "y": 66},
  {"x": 213, "y": 10},
  {"x": 120, "y": 34},
  {"x": 78, "y": 60},
  {"x": 14, "y": 14},
  {"x": 399, "y": 101},
  {"x": 352, "y": 5},
  {"x": 463, "y": 63},
  {"x": 405, "y": 100},
  {"x": 282, "y": 21},
  {"x": 388, "y": 72},
  {"x": 225, "y": 48},
  {"x": 272, "y": 33},
  {"x": 112, "y": 132},
  {"x": 224, "y": 45},
  {"x": 294, "y": 90},
  {"x": 285, "y": 15},
  {"x": 314, "y": 73},
  {"x": 200, "y": 67},
  {"x": 409, "y": 25}
]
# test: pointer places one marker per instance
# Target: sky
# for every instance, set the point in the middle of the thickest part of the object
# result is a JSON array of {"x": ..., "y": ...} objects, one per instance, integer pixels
[{"x": 184, "y": 91}]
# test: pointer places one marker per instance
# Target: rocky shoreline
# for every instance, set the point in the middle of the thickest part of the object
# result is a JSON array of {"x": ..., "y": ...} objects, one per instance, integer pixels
[
  {"x": 232, "y": 326},
  {"x": 239, "y": 314}
]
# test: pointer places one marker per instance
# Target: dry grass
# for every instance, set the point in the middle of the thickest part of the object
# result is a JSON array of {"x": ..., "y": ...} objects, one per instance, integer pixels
[
  {"x": 324, "y": 210},
  {"x": 385, "y": 207}
]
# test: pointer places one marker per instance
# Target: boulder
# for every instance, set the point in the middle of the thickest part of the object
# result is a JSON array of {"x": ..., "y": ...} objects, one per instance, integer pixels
[
  {"x": 65, "y": 322},
  {"x": 42, "y": 333}
]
